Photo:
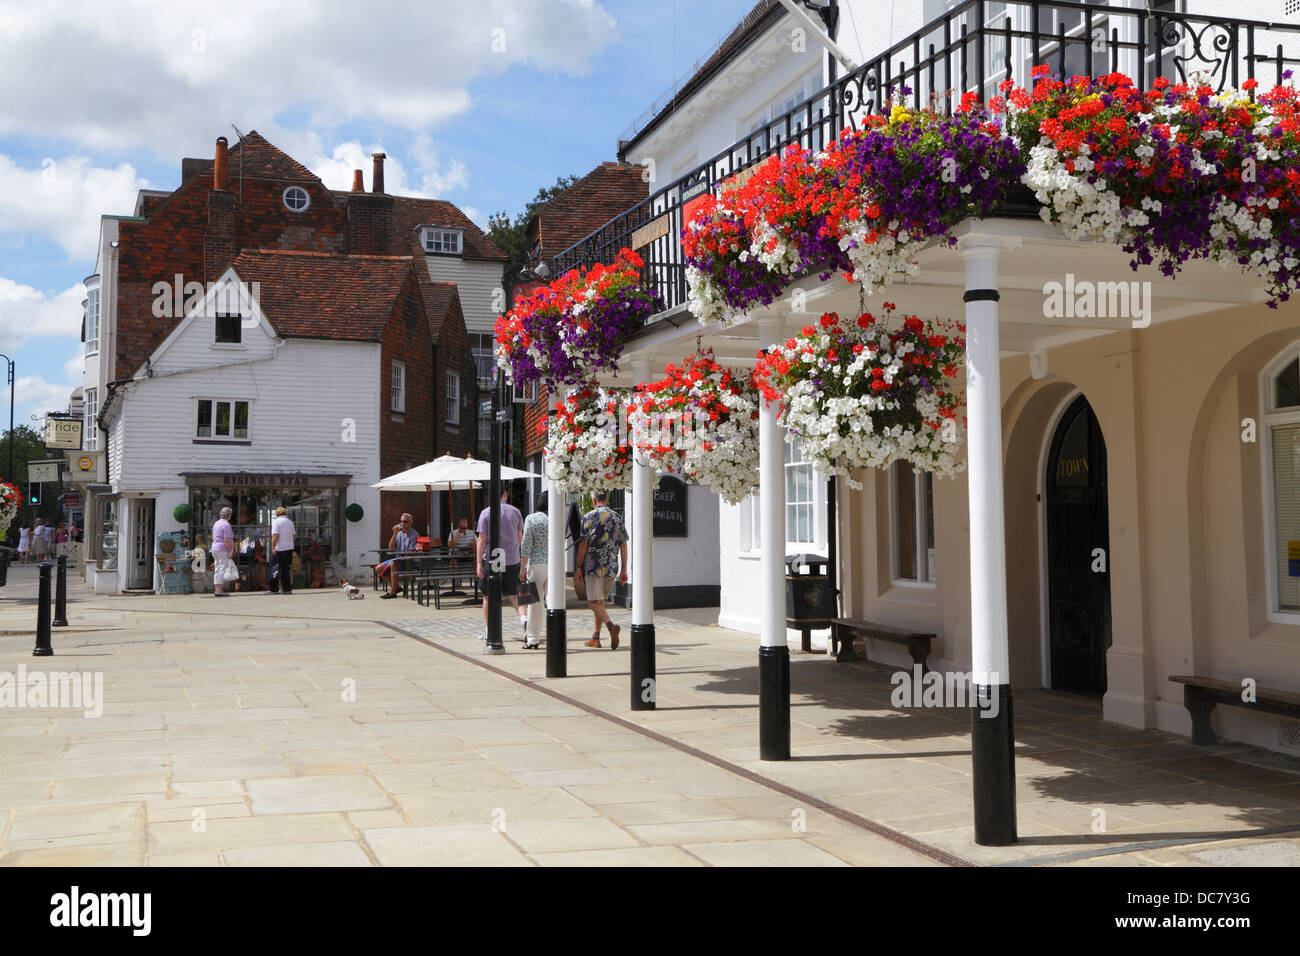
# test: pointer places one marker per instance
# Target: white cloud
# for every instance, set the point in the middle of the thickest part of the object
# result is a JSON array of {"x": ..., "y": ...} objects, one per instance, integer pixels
[
  {"x": 430, "y": 178},
  {"x": 62, "y": 199},
  {"x": 36, "y": 396},
  {"x": 74, "y": 369},
  {"x": 26, "y": 312},
  {"x": 246, "y": 61}
]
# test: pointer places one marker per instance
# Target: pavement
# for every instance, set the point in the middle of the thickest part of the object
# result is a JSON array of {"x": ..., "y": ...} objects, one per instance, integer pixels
[{"x": 313, "y": 730}]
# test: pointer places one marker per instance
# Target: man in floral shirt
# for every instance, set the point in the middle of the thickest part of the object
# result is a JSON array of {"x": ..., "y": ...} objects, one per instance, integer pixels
[{"x": 602, "y": 559}]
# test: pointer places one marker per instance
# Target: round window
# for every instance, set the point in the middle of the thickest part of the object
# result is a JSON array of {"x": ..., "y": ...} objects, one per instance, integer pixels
[{"x": 296, "y": 199}]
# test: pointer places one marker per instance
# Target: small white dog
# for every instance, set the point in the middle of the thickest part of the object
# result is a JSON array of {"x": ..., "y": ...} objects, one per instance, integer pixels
[{"x": 353, "y": 592}]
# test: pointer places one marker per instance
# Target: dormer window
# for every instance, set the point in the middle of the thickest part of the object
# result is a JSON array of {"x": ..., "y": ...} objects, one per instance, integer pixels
[
  {"x": 441, "y": 241},
  {"x": 296, "y": 199},
  {"x": 227, "y": 330}
]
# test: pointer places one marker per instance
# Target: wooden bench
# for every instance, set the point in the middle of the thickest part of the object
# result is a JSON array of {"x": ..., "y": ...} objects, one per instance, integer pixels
[
  {"x": 1202, "y": 694},
  {"x": 844, "y": 630}
]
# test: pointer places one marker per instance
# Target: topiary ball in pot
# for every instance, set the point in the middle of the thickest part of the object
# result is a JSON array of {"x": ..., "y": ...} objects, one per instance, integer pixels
[{"x": 354, "y": 512}]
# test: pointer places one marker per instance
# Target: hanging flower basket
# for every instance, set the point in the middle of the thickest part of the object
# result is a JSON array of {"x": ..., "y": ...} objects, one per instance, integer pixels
[
  {"x": 585, "y": 448},
  {"x": 864, "y": 394},
  {"x": 577, "y": 325},
  {"x": 701, "y": 422},
  {"x": 10, "y": 500}
]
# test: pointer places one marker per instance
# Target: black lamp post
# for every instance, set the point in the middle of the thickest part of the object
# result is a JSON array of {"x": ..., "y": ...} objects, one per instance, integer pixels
[{"x": 12, "y": 388}]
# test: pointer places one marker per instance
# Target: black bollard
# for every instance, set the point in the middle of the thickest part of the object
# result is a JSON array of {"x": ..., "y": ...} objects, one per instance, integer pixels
[
  {"x": 644, "y": 688},
  {"x": 556, "y": 663},
  {"x": 43, "y": 648},
  {"x": 61, "y": 594}
]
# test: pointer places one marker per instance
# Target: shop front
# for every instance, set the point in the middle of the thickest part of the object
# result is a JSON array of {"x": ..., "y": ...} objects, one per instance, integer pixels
[{"x": 315, "y": 504}]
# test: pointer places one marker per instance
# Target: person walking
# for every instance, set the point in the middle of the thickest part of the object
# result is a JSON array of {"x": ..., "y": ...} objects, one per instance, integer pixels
[
  {"x": 39, "y": 547},
  {"x": 532, "y": 568},
  {"x": 403, "y": 541},
  {"x": 602, "y": 559},
  {"x": 282, "y": 538},
  {"x": 24, "y": 543},
  {"x": 510, "y": 537},
  {"x": 223, "y": 551}
]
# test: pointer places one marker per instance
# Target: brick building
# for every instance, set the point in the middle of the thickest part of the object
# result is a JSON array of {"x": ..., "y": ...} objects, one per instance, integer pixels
[{"x": 368, "y": 279}]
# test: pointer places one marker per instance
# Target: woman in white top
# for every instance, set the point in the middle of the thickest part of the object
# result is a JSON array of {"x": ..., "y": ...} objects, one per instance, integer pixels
[
  {"x": 24, "y": 544},
  {"x": 223, "y": 549},
  {"x": 38, "y": 544}
]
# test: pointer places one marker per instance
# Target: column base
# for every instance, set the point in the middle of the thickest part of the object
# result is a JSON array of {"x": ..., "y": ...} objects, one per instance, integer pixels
[
  {"x": 644, "y": 685},
  {"x": 557, "y": 662},
  {"x": 993, "y": 756},
  {"x": 774, "y": 703}
]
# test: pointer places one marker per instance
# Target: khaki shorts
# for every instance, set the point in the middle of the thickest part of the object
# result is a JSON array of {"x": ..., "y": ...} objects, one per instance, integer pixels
[{"x": 599, "y": 588}]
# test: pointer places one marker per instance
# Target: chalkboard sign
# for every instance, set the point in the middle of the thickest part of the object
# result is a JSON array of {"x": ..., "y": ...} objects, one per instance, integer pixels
[{"x": 670, "y": 508}]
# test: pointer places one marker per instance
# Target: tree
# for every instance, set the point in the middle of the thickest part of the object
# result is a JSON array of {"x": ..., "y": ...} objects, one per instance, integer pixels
[
  {"x": 511, "y": 234},
  {"x": 28, "y": 446}
]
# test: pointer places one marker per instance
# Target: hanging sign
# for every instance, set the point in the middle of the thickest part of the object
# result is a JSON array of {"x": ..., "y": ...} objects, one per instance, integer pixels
[
  {"x": 63, "y": 433},
  {"x": 43, "y": 471}
]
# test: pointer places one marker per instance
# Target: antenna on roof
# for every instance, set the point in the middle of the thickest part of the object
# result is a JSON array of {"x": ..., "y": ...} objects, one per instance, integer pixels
[{"x": 241, "y": 163}]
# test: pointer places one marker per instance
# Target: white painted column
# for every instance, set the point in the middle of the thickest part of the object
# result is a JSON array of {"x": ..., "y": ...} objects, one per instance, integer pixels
[
  {"x": 644, "y": 480},
  {"x": 556, "y": 587},
  {"x": 774, "y": 653},
  {"x": 992, "y": 734}
]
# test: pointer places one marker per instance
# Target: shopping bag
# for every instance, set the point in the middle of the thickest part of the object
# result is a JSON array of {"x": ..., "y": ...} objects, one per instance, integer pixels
[{"x": 231, "y": 572}]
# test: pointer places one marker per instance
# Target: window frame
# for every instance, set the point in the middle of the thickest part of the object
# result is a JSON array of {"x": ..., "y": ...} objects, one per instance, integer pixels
[
  {"x": 284, "y": 198},
  {"x": 89, "y": 412},
  {"x": 397, "y": 387},
  {"x": 429, "y": 235},
  {"x": 922, "y": 517},
  {"x": 92, "y": 321},
  {"x": 238, "y": 343},
  {"x": 1270, "y": 418},
  {"x": 234, "y": 403},
  {"x": 452, "y": 396}
]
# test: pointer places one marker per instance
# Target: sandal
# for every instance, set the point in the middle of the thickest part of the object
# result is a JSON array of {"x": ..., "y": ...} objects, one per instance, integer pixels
[{"x": 594, "y": 642}]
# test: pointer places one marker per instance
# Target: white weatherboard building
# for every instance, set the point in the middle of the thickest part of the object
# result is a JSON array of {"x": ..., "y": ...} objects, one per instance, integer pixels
[{"x": 264, "y": 420}]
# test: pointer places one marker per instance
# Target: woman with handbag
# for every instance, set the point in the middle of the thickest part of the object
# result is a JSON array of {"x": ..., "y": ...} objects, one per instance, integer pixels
[
  {"x": 223, "y": 550},
  {"x": 532, "y": 567}
]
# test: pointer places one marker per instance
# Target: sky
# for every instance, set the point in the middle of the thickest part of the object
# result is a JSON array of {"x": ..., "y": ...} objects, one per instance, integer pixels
[{"x": 479, "y": 102}]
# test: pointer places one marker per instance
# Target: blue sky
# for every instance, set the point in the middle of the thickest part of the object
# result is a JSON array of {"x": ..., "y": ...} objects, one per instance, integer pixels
[{"x": 479, "y": 103}]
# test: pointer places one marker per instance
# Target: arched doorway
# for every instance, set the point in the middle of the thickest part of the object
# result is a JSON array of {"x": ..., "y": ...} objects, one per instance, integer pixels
[{"x": 1078, "y": 553}]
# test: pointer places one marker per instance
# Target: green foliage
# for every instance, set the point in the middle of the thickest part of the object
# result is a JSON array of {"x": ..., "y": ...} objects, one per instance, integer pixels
[{"x": 511, "y": 234}]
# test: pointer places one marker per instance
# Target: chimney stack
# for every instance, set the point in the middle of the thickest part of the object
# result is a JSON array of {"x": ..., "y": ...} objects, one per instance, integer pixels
[
  {"x": 357, "y": 185},
  {"x": 377, "y": 180},
  {"x": 220, "y": 171}
]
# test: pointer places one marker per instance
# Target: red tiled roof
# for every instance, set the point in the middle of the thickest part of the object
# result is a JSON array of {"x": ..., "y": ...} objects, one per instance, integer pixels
[
  {"x": 595, "y": 199},
  {"x": 441, "y": 299},
  {"x": 254, "y": 157},
  {"x": 409, "y": 212},
  {"x": 316, "y": 295}
]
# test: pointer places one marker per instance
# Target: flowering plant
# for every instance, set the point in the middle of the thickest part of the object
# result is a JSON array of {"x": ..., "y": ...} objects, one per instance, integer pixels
[
  {"x": 576, "y": 325},
  {"x": 865, "y": 204},
  {"x": 863, "y": 395},
  {"x": 10, "y": 499},
  {"x": 584, "y": 449},
  {"x": 701, "y": 421},
  {"x": 1173, "y": 173}
]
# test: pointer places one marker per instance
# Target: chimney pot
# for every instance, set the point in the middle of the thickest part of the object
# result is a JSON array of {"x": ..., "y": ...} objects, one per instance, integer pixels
[
  {"x": 357, "y": 185},
  {"x": 220, "y": 171},
  {"x": 377, "y": 179}
]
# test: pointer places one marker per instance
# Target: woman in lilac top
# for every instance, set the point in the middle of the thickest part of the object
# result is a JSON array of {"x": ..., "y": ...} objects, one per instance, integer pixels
[{"x": 223, "y": 546}]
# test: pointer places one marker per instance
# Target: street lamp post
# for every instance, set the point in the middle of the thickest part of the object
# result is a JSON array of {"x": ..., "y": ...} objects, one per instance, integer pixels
[{"x": 12, "y": 388}]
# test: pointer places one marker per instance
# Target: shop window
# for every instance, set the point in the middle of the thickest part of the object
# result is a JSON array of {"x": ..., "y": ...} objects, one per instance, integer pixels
[
  {"x": 220, "y": 419},
  {"x": 911, "y": 524},
  {"x": 1281, "y": 459},
  {"x": 453, "y": 398}
]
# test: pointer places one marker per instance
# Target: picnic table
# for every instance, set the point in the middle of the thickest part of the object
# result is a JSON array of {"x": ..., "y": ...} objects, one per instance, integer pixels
[{"x": 426, "y": 573}]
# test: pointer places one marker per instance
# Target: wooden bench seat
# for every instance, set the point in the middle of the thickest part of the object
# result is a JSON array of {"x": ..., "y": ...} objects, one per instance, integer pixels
[
  {"x": 1202, "y": 694},
  {"x": 844, "y": 630}
]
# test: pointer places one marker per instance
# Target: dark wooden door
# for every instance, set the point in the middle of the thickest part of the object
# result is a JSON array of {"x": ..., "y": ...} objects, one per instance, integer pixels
[{"x": 1078, "y": 553}]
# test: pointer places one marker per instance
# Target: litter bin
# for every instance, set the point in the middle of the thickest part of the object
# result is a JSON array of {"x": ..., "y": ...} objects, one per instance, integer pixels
[
  {"x": 808, "y": 604},
  {"x": 4, "y": 566}
]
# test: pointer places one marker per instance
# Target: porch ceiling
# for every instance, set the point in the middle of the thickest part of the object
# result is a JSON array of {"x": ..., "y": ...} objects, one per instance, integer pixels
[{"x": 1036, "y": 253}]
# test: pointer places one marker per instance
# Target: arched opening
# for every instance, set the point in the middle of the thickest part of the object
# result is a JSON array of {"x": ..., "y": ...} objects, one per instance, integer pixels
[{"x": 1077, "y": 542}]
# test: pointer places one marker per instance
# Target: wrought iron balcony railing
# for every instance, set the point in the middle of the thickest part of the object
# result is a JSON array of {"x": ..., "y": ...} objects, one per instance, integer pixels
[{"x": 973, "y": 47}]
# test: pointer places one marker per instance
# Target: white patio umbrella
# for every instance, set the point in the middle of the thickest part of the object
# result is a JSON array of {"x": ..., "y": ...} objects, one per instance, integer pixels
[{"x": 424, "y": 477}]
